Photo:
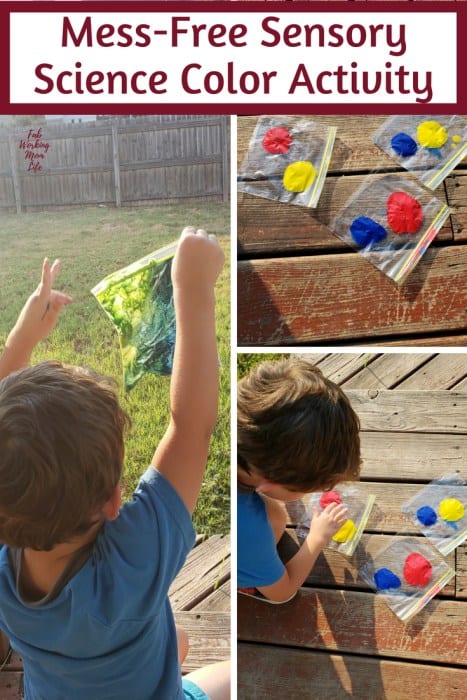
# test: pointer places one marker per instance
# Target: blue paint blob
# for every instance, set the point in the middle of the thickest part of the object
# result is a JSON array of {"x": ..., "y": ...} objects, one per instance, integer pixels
[
  {"x": 426, "y": 515},
  {"x": 404, "y": 145},
  {"x": 451, "y": 523},
  {"x": 435, "y": 151},
  {"x": 385, "y": 579},
  {"x": 365, "y": 231}
]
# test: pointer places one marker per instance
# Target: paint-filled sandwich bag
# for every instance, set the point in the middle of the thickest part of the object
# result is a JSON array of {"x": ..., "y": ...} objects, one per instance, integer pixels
[
  {"x": 359, "y": 504},
  {"x": 406, "y": 575},
  {"x": 391, "y": 221},
  {"x": 429, "y": 146},
  {"x": 139, "y": 301},
  {"x": 287, "y": 160},
  {"x": 439, "y": 510}
]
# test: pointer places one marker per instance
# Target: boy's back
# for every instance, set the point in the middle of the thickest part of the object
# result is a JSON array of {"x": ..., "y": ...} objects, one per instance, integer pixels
[{"x": 112, "y": 619}]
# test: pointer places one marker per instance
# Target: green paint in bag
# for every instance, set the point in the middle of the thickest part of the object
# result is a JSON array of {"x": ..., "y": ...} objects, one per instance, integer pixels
[{"x": 139, "y": 301}]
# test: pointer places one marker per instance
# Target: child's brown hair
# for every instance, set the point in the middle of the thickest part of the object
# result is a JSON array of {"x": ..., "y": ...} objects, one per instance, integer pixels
[
  {"x": 296, "y": 427},
  {"x": 61, "y": 453}
]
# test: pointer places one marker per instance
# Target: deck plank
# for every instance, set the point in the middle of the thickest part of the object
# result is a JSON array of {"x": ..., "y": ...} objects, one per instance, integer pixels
[
  {"x": 11, "y": 685},
  {"x": 461, "y": 571},
  {"x": 387, "y": 371},
  {"x": 340, "y": 677},
  {"x": 207, "y": 566},
  {"x": 443, "y": 372},
  {"x": 412, "y": 411},
  {"x": 208, "y": 637},
  {"x": 411, "y": 457},
  {"x": 342, "y": 367},
  {"x": 456, "y": 187},
  {"x": 359, "y": 623},
  {"x": 217, "y": 601},
  {"x": 278, "y": 300}
]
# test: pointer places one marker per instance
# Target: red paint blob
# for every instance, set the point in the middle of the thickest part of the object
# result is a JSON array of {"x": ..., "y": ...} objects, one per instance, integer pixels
[
  {"x": 404, "y": 213},
  {"x": 417, "y": 570},
  {"x": 329, "y": 497},
  {"x": 277, "y": 140}
]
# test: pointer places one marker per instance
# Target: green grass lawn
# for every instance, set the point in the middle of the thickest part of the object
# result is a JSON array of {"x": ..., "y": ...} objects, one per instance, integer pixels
[{"x": 91, "y": 243}]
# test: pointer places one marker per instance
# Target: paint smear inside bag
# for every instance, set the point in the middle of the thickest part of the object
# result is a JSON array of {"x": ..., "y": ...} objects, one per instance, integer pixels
[
  {"x": 277, "y": 140},
  {"x": 430, "y": 147},
  {"x": 426, "y": 515},
  {"x": 417, "y": 570},
  {"x": 287, "y": 160},
  {"x": 299, "y": 176},
  {"x": 359, "y": 504},
  {"x": 404, "y": 213},
  {"x": 431, "y": 134},
  {"x": 439, "y": 512},
  {"x": 329, "y": 497},
  {"x": 386, "y": 579},
  {"x": 404, "y": 145},
  {"x": 451, "y": 510},
  {"x": 365, "y": 231},
  {"x": 346, "y": 532}
]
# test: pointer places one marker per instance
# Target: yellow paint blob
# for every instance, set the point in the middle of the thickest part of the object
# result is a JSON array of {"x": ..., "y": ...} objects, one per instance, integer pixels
[
  {"x": 346, "y": 532},
  {"x": 451, "y": 509},
  {"x": 298, "y": 176},
  {"x": 457, "y": 138},
  {"x": 431, "y": 134}
]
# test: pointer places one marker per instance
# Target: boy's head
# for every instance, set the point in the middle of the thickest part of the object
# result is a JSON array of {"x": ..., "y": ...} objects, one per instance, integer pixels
[
  {"x": 296, "y": 428},
  {"x": 61, "y": 453}
]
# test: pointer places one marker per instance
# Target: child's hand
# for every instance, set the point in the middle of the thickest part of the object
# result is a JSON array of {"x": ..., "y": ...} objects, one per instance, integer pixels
[
  {"x": 325, "y": 524},
  {"x": 40, "y": 313},
  {"x": 198, "y": 261}
]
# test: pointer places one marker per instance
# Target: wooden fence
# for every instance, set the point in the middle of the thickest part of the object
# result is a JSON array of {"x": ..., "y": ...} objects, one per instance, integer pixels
[{"x": 115, "y": 161}]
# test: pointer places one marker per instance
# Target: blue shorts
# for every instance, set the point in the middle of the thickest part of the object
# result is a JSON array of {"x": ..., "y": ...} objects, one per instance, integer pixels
[{"x": 192, "y": 691}]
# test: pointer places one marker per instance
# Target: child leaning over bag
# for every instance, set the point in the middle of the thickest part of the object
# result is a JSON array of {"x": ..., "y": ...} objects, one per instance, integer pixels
[
  {"x": 297, "y": 433},
  {"x": 84, "y": 581}
]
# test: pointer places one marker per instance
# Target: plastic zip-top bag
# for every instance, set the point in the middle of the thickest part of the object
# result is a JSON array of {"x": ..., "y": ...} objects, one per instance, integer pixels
[
  {"x": 359, "y": 504},
  {"x": 139, "y": 301},
  {"x": 439, "y": 510},
  {"x": 391, "y": 221},
  {"x": 407, "y": 574},
  {"x": 428, "y": 146},
  {"x": 287, "y": 160}
]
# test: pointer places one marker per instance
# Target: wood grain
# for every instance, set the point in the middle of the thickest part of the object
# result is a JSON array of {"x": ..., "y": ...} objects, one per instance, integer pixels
[
  {"x": 207, "y": 566},
  {"x": 264, "y": 673},
  {"x": 410, "y": 411},
  {"x": 286, "y": 301},
  {"x": 208, "y": 641},
  {"x": 358, "y": 623}
]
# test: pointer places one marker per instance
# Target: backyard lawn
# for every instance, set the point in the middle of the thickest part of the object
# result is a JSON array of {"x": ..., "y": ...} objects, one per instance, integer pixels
[{"x": 92, "y": 242}]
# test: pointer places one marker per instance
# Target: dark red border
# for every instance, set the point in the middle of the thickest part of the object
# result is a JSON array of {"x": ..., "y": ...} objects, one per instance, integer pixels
[{"x": 459, "y": 8}]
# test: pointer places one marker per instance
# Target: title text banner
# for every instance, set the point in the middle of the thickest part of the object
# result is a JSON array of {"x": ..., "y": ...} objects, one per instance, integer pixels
[{"x": 205, "y": 57}]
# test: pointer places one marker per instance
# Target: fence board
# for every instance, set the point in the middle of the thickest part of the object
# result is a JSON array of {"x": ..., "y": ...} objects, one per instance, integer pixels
[{"x": 118, "y": 161}]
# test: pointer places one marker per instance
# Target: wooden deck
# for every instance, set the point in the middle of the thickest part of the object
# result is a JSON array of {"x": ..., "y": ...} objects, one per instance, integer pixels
[
  {"x": 200, "y": 597},
  {"x": 298, "y": 284},
  {"x": 337, "y": 639}
]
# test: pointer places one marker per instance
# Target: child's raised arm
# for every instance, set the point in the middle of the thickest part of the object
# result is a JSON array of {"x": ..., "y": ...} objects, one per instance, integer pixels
[
  {"x": 35, "y": 322},
  {"x": 182, "y": 453}
]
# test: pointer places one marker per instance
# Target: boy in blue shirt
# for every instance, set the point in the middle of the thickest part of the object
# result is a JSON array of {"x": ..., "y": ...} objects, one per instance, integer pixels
[
  {"x": 84, "y": 580},
  {"x": 296, "y": 433}
]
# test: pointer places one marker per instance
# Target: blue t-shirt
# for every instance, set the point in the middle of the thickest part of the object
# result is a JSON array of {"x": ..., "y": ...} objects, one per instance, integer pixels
[
  {"x": 258, "y": 563},
  {"x": 110, "y": 632}
]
